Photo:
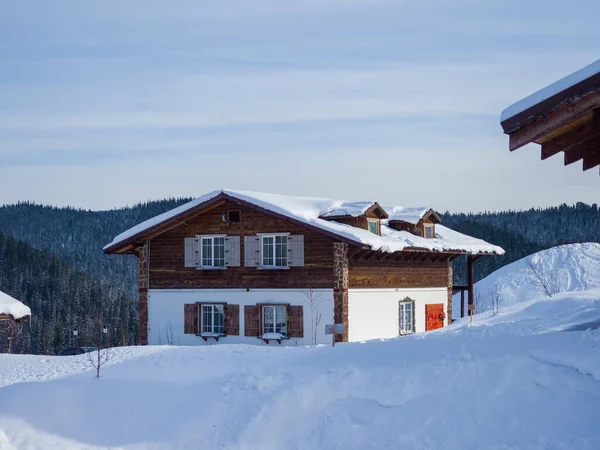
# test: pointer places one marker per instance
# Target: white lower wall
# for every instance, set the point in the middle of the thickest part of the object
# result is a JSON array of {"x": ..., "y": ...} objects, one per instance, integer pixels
[
  {"x": 373, "y": 313},
  {"x": 165, "y": 310}
]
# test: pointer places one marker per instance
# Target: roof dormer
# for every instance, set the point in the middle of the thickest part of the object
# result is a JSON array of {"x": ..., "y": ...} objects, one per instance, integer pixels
[
  {"x": 421, "y": 223},
  {"x": 365, "y": 215}
]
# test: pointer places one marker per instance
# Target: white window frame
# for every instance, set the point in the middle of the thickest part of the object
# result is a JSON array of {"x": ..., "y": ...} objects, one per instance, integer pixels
[
  {"x": 376, "y": 222},
  {"x": 201, "y": 248},
  {"x": 429, "y": 226},
  {"x": 212, "y": 306},
  {"x": 274, "y": 306},
  {"x": 402, "y": 330},
  {"x": 287, "y": 249}
]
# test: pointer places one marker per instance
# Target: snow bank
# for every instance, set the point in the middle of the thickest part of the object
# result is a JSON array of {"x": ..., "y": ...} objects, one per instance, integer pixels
[
  {"x": 310, "y": 210},
  {"x": 566, "y": 268},
  {"x": 13, "y": 307},
  {"x": 549, "y": 91},
  {"x": 511, "y": 381}
]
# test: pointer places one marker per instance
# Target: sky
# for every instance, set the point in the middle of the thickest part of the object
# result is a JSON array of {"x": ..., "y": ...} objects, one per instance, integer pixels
[{"x": 105, "y": 104}]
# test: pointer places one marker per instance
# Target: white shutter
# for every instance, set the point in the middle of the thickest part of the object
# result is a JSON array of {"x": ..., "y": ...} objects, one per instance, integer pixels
[
  {"x": 191, "y": 252},
  {"x": 296, "y": 250},
  {"x": 232, "y": 251},
  {"x": 251, "y": 251}
]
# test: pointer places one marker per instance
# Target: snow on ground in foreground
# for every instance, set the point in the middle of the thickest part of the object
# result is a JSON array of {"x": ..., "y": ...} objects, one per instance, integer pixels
[
  {"x": 574, "y": 267},
  {"x": 512, "y": 381}
]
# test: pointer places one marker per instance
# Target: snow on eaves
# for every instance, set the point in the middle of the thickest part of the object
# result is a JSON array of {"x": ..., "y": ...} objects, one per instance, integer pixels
[
  {"x": 13, "y": 307},
  {"x": 308, "y": 210},
  {"x": 551, "y": 90}
]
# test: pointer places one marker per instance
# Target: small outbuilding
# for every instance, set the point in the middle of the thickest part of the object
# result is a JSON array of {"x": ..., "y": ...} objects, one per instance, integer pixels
[{"x": 12, "y": 314}]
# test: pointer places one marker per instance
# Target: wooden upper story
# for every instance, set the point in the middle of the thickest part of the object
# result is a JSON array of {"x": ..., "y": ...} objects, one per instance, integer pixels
[{"x": 230, "y": 241}]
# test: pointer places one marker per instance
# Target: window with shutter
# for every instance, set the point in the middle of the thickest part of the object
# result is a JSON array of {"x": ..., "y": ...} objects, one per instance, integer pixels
[
  {"x": 406, "y": 316},
  {"x": 274, "y": 319},
  {"x": 212, "y": 252},
  {"x": 212, "y": 318},
  {"x": 274, "y": 251}
]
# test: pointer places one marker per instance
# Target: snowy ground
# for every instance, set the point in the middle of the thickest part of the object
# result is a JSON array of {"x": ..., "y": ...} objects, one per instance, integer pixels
[{"x": 517, "y": 380}]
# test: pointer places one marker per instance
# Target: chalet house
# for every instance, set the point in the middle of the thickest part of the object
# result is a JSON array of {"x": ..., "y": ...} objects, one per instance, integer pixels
[{"x": 248, "y": 267}]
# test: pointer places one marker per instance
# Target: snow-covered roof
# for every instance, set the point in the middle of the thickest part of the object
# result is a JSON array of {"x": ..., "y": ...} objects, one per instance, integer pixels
[
  {"x": 309, "y": 211},
  {"x": 13, "y": 307},
  {"x": 410, "y": 215},
  {"x": 551, "y": 90}
]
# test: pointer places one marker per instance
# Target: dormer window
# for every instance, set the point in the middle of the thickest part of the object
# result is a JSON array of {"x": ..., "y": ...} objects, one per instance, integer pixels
[
  {"x": 428, "y": 231},
  {"x": 373, "y": 226}
]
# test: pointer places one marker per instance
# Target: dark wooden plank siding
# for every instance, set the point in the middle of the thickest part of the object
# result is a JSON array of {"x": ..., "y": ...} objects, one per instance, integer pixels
[
  {"x": 167, "y": 269},
  {"x": 389, "y": 274}
]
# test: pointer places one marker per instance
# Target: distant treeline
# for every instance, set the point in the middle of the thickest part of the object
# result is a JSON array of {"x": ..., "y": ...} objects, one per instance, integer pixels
[{"x": 66, "y": 279}]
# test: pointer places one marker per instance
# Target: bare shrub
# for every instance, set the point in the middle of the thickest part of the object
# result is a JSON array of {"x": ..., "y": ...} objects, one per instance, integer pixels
[
  {"x": 314, "y": 300},
  {"x": 544, "y": 279}
]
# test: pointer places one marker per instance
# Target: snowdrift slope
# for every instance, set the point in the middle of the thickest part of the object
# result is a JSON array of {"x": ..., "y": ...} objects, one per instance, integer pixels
[
  {"x": 574, "y": 267},
  {"x": 513, "y": 381}
]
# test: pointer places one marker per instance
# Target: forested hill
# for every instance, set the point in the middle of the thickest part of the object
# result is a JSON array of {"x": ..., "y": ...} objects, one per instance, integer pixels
[
  {"x": 77, "y": 236},
  {"x": 522, "y": 233},
  {"x": 61, "y": 300}
]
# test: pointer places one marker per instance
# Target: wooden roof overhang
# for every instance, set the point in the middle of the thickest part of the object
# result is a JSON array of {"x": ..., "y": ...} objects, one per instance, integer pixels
[
  {"x": 412, "y": 254},
  {"x": 11, "y": 318},
  {"x": 567, "y": 122},
  {"x": 131, "y": 244}
]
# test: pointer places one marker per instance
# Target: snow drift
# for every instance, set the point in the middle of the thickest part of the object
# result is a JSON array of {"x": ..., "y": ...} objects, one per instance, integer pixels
[
  {"x": 566, "y": 268},
  {"x": 516, "y": 380}
]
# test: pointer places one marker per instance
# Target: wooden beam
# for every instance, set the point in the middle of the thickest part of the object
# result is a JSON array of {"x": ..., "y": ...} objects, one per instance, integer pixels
[
  {"x": 580, "y": 151},
  {"x": 591, "y": 161},
  {"x": 369, "y": 255},
  {"x": 574, "y": 137},
  {"x": 462, "y": 303},
  {"x": 554, "y": 120},
  {"x": 471, "y": 301}
]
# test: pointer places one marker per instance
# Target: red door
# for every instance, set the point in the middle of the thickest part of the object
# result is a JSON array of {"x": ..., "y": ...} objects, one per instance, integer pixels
[{"x": 434, "y": 316}]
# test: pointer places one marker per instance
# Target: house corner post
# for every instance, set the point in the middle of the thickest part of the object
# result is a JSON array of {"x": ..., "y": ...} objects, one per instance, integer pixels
[
  {"x": 470, "y": 282},
  {"x": 143, "y": 284},
  {"x": 450, "y": 281},
  {"x": 340, "y": 288}
]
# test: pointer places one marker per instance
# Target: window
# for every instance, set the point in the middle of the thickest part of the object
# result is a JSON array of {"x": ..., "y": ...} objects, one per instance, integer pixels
[
  {"x": 234, "y": 215},
  {"x": 212, "y": 319},
  {"x": 212, "y": 251},
  {"x": 274, "y": 318},
  {"x": 274, "y": 251},
  {"x": 406, "y": 315},
  {"x": 373, "y": 226},
  {"x": 428, "y": 231}
]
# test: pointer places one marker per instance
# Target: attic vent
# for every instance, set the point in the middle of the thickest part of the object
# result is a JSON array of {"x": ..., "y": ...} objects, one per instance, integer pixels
[{"x": 234, "y": 215}]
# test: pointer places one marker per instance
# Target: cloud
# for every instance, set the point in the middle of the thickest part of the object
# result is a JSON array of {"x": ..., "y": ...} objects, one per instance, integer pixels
[{"x": 409, "y": 90}]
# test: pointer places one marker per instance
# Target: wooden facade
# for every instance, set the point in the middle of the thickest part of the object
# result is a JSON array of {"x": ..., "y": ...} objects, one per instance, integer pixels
[{"x": 167, "y": 269}]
